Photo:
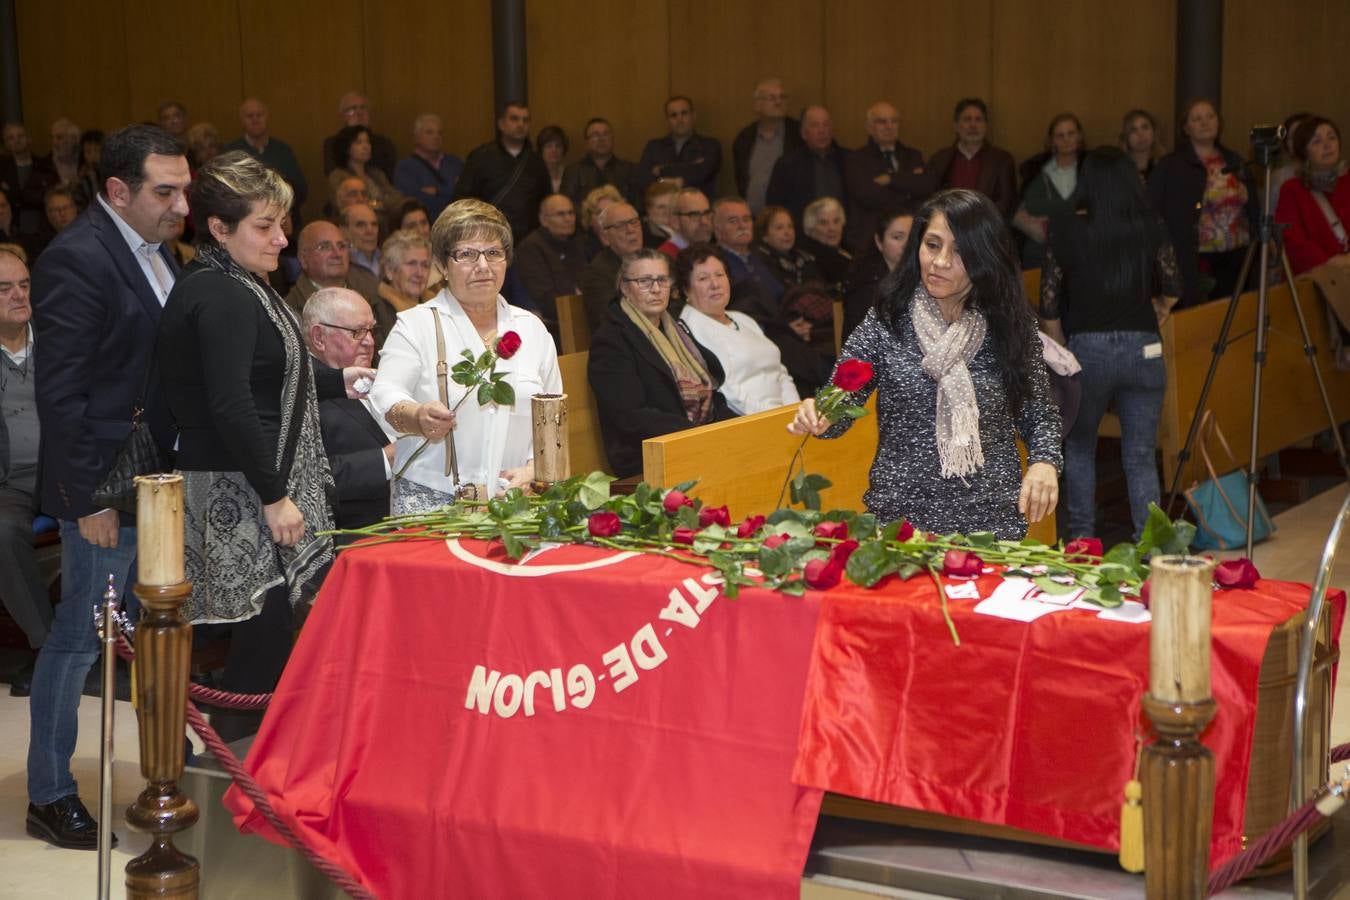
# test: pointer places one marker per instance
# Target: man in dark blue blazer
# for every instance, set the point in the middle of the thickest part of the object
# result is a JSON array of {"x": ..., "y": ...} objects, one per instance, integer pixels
[{"x": 98, "y": 291}]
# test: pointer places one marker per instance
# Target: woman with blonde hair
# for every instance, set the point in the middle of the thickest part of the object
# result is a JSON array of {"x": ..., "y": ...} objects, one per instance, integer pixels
[
  {"x": 467, "y": 448},
  {"x": 243, "y": 392},
  {"x": 405, "y": 266}
]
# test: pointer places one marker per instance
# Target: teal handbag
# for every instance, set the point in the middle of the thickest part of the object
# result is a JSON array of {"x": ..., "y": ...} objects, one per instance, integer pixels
[{"x": 1219, "y": 505}]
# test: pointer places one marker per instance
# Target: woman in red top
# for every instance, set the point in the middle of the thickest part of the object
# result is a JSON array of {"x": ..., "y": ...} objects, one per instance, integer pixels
[{"x": 1316, "y": 204}]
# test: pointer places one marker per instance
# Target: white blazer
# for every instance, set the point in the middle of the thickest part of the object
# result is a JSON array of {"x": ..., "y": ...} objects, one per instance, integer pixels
[{"x": 488, "y": 439}]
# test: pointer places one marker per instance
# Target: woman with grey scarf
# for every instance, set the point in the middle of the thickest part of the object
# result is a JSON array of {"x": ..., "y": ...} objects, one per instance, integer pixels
[
  {"x": 244, "y": 396},
  {"x": 959, "y": 375}
]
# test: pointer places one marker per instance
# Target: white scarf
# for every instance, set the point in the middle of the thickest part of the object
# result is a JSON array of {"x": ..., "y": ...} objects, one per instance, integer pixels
[{"x": 947, "y": 352}]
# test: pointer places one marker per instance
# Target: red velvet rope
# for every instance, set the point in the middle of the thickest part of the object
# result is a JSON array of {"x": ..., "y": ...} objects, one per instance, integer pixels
[{"x": 1240, "y": 866}]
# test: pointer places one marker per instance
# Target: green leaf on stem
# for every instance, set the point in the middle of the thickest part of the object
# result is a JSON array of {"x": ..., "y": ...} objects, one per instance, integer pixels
[
  {"x": 777, "y": 561},
  {"x": 484, "y": 394},
  {"x": 783, "y": 515},
  {"x": 1049, "y": 586},
  {"x": 981, "y": 538},
  {"x": 795, "y": 588},
  {"x": 593, "y": 492},
  {"x": 869, "y": 564},
  {"x": 503, "y": 394},
  {"x": 854, "y": 412}
]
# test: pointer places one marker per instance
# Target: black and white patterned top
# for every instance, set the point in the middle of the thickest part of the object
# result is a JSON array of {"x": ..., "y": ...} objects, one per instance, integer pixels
[{"x": 905, "y": 479}]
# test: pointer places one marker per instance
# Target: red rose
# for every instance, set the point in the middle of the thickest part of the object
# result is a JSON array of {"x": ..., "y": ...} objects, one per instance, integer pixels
[
  {"x": 905, "y": 533},
  {"x": 1236, "y": 573},
  {"x": 776, "y": 540},
  {"x": 1143, "y": 593},
  {"x": 683, "y": 536},
  {"x": 961, "y": 562},
  {"x": 832, "y": 530},
  {"x": 822, "y": 574},
  {"x": 852, "y": 375},
  {"x": 749, "y": 526},
  {"x": 1084, "y": 549},
  {"x": 713, "y": 515},
  {"x": 841, "y": 551},
  {"x": 674, "y": 500},
  {"x": 604, "y": 523},
  {"x": 507, "y": 345}
]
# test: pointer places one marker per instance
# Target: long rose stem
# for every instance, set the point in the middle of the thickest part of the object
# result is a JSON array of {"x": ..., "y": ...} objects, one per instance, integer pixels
[{"x": 946, "y": 613}]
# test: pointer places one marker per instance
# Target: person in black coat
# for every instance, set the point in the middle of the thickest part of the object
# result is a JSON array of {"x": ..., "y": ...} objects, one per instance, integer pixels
[
  {"x": 339, "y": 331},
  {"x": 882, "y": 175},
  {"x": 98, "y": 294},
  {"x": 764, "y": 141},
  {"x": 813, "y": 170},
  {"x": 1210, "y": 205},
  {"x": 649, "y": 376}
]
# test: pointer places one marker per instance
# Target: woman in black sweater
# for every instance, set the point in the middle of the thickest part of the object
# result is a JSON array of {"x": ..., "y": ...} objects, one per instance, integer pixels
[
  {"x": 240, "y": 384},
  {"x": 1110, "y": 277}
]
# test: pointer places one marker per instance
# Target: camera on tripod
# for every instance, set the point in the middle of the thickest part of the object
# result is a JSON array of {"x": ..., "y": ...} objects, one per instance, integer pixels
[{"x": 1267, "y": 141}]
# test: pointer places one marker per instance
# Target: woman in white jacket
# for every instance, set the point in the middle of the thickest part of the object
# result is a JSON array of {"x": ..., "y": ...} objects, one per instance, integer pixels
[
  {"x": 467, "y": 449},
  {"x": 756, "y": 379}
]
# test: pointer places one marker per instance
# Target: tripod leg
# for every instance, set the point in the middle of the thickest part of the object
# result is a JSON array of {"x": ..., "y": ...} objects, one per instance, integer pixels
[
  {"x": 1258, "y": 367},
  {"x": 1310, "y": 352},
  {"x": 1220, "y": 345}
]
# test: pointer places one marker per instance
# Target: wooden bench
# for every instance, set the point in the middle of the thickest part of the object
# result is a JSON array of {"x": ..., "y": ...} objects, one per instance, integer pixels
[
  {"x": 743, "y": 462},
  {"x": 574, "y": 331},
  {"x": 1291, "y": 408},
  {"x": 585, "y": 445}
]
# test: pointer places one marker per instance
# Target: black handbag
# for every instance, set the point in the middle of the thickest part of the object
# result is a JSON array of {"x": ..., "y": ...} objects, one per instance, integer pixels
[{"x": 139, "y": 454}]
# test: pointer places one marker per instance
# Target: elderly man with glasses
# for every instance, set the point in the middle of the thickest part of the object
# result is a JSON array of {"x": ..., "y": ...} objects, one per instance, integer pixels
[
  {"x": 621, "y": 234},
  {"x": 325, "y": 261},
  {"x": 340, "y": 332},
  {"x": 693, "y": 221}
]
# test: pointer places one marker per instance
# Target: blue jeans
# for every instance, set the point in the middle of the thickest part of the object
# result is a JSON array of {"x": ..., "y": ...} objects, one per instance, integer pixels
[
  {"x": 1114, "y": 368},
  {"x": 71, "y": 649}
]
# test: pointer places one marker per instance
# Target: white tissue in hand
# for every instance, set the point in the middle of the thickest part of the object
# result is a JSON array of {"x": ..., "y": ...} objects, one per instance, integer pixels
[{"x": 362, "y": 385}]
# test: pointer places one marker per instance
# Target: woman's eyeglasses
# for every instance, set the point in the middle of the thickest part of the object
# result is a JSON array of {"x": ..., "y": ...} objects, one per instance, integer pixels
[
  {"x": 650, "y": 282},
  {"x": 468, "y": 256}
]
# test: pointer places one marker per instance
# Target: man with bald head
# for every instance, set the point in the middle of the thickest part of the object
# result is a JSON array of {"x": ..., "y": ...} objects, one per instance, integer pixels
[
  {"x": 882, "y": 175},
  {"x": 813, "y": 170},
  {"x": 325, "y": 261},
  {"x": 339, "y": 330},
  {"x": 550, "y": 262},
  {"x": 350, "y": 191},
  {"x": 354, "y": 109},
  {"x": 764, "y": 141},
  {"x": 693, "y": 221},
  {"x": 429, "y": 174},
  {"x": 276, "y": 154},
  {"x": 621, "y": 234}
]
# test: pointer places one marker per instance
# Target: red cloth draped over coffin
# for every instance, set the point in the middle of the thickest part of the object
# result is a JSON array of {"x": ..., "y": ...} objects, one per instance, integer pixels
[
  {"x": 1030, "y": 725},
  {"x": 395, "y": 751}
]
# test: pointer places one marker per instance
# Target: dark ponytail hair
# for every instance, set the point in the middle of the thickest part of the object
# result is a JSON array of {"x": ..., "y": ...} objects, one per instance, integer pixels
[
  {"x": 1119, "y": 223},
  {"x": 987, "y": 252}
]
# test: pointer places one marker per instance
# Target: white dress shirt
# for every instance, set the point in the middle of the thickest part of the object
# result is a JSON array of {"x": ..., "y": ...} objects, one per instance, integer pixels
[
  {"x": 148, "y": 257},
  {"x": 756, "y": 377},
  {"x": 488, "y": 439}
]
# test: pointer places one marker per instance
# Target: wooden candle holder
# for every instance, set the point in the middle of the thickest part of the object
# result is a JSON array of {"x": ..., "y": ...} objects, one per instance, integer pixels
[
  {"x": 552, "y": 457},
  {"x": 1177, "y": 771},
  {"x": 163, "y": 654}
]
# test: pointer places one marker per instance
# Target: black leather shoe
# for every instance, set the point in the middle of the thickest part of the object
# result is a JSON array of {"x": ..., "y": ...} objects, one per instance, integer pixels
[
  {"x": 65, "y": 823},
  {"x": 21, "y": 685}
]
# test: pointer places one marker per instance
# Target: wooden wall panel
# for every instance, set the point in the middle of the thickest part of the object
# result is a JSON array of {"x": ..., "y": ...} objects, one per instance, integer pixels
[
  {"x": 1096, "y": 60},
  {"x": 418, "y": 59},
  {"x": 921, "y": 57},
  {"x": 185, "y": 52},
  {"x": 1283, "y": 58},
  {"x": 623, "y": 76},
  {"x": 299, "y": 62},
  {"x": 72, "y": 62},
  {"x": 720, "y": 49}
]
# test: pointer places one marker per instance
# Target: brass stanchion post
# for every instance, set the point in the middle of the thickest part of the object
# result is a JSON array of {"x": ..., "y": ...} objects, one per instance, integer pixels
[
  {"x": 1177, "y": 771},
  {"x": 163, "y": 651}
]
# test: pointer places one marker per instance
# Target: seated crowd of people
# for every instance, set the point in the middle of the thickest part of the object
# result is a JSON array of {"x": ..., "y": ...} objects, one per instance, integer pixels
[{"x": 701, "y": 307}]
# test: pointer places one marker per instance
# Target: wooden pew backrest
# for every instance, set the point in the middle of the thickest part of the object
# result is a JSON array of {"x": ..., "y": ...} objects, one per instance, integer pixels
[
  {"x": 743, "y": 463},
  {"x": 583, "y": 422},
  {"x": 574, "y": 332}
]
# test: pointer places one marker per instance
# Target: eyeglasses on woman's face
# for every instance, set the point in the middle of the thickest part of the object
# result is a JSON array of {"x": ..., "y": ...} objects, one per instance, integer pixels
[
  {"x": 468, "y": 256},
  {"x": 650, "y": 283}
]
